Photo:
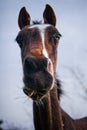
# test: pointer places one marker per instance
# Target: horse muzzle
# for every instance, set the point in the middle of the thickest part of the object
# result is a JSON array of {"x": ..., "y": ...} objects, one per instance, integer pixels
[{"x": 37, "y": 77}]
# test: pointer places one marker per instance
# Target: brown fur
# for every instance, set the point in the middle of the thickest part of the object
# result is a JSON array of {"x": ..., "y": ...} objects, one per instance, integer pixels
[{"x": 48, "y": 114}]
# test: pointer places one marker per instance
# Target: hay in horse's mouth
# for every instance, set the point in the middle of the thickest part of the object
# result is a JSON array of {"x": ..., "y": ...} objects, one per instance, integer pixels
[{"x": 34, "y": 94}]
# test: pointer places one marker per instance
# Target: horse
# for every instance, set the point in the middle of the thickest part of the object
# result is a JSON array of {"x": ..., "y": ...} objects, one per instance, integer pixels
[{"x": 38, "y": 43}]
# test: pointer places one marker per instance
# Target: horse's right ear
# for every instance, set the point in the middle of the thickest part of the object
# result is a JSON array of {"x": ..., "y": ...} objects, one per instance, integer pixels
[{"x": 24, "y": 18}]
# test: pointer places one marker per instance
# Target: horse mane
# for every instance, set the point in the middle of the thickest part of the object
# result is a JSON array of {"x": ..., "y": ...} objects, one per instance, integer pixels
[{"x": 59, "y": 88}]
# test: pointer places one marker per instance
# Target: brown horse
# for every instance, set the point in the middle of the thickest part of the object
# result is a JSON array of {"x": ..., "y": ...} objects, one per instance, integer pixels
[{"x": 38, "y": 43}]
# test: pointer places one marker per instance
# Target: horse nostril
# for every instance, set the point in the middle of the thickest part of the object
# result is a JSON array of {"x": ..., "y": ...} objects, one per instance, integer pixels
[
  {"x": 30, "y": 63},
  {"x": 29, "y": 66}
]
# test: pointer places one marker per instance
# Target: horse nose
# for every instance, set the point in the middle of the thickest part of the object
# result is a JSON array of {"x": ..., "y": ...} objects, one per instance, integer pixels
[{"x": 33, "y": 65}]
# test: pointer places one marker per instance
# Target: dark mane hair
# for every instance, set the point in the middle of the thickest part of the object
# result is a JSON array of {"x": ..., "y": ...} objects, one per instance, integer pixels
[{"x": 59, "y": 88}]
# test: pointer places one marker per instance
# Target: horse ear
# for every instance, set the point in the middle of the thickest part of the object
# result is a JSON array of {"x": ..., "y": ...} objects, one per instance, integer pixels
[
  {"x": 49, "y": 15},
  {"x": 24, "y": 18}
]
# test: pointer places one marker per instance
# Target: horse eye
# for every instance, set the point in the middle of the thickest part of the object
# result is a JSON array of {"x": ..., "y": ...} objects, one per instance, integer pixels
[
  {"x": 57, "y": 36},
  {"x": 19, "y": 40}
]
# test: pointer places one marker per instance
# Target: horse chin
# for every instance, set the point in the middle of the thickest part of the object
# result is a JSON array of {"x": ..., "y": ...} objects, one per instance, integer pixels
[
  {"x": 34, "y": 94},
  {"x": 38, "y": 84}
]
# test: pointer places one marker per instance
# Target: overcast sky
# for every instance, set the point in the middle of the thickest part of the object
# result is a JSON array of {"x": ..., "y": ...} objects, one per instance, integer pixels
[{"x": 71, "y": 15}]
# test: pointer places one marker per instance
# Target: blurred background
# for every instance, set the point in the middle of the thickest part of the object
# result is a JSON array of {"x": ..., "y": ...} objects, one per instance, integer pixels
[{"x": 15, "y": 107}]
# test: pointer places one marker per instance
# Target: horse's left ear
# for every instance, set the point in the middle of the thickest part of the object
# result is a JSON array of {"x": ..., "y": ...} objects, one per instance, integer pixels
[
  {"x": 49, "y": 15},
  {"x": 24, "y": 18}
]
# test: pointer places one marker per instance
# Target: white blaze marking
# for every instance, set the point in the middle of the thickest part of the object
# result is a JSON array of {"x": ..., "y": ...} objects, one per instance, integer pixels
[
  {"x": 43, "y": 43},
  {"x": 42, "y": 28},
  {"x": 45, "y": 53}
]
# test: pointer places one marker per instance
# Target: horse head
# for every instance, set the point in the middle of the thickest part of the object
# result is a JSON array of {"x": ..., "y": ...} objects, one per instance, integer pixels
[{"x": 38, "y": 43}]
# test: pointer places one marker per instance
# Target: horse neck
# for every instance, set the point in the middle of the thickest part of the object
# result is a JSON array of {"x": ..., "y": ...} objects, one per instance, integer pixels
[{"x": 47, "y": 114}]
